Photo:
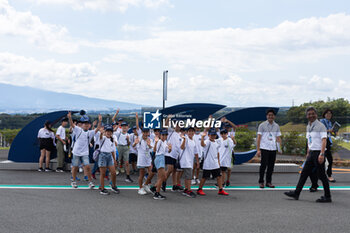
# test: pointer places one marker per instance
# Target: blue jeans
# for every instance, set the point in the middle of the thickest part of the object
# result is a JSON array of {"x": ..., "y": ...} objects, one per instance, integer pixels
[{"x": 77, "y": 160}]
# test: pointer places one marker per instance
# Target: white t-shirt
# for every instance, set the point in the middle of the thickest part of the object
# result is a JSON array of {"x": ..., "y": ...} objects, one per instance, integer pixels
[
  {"x": 187, "y": 155},
  {"x": 82, "y": 141},
  {"x": 269, "y": 133},
  {"x": 210, "y": 153},
  {"x": 198, "y": 139},
  {"x": 122, "y": 138},
  {"x": 107, "y": 146},
  {"x": 162, "y": 148},
  {"x": 45, "y": 133},
  {"x": 314, "y": 134},
  {"x": 144, "y": 158},
  {"x": 225, "y": 151},
  {"x": 61, "y": 131},
  {"x": 133, "y": 149},
  {"x": 174, "y": 139}
]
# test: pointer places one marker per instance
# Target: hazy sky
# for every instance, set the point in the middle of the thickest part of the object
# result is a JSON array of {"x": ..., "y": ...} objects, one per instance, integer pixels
[{"x": 238, "y": 53}]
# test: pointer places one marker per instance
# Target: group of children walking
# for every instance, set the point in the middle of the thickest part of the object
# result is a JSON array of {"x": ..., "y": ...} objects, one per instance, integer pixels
[{"x": 164, "y": 153}]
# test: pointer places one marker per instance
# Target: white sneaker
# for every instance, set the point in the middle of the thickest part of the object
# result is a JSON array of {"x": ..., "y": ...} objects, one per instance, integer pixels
[
  {"x": 117, "y": 172},
  {"x": 198, "y": 181},
  {"x": 74, "y": 184},
  {"x": 91, "y": 185},
  {"x": 142, "y": 191},
  {"x": 81, "y": 169},
  {"x": 193, "y": 181},
  {"x": 147, "y": 189}
]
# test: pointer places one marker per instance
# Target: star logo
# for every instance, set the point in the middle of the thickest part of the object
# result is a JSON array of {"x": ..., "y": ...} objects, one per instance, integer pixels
[
  {"x": 156, "y": 115},
  {"x": 152, "y": 120}
]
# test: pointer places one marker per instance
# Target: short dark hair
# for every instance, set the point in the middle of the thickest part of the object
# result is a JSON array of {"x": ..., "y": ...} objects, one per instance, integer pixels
[
  {"x": 308, "y": 109},
  {"x": 326, "y": 111},
  {"x": 270, "y": 110},
  {"x": 64, "y": 119}
]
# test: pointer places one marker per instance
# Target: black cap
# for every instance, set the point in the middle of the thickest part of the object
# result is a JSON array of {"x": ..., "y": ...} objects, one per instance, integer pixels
[
  {"x": 124, "y": 123},
  {"x": 109, "y": 128},
  {"x": 212, "y": 131},
  {"x": 222, "y": 131},
  {"x": 164, "y": 132}
]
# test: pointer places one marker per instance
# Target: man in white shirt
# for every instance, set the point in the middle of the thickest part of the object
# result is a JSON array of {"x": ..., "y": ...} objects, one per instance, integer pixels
[
  {"x": 61, "y": 144},
  {"x": 316, "y": 134},
  {"x": 268, "y": 135}
]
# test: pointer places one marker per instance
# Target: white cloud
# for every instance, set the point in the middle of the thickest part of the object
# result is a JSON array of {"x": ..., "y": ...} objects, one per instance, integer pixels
[
  {"x": 30, "y": 27},
  {"x": 105, "y": 5},
  {"x": 129, "y": 28},
  {"x": 234, "y": 90},
  {"x": 231, "y": 50}
]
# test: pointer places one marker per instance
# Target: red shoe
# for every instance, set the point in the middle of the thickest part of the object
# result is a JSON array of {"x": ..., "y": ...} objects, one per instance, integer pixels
[
  {"x": 200, "y": 192},
  {"x": 222, "y": 192},
  {"x": 93, "y": 176}
]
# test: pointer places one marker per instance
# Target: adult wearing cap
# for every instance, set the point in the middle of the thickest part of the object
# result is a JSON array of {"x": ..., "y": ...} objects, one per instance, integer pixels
[
  {"x": 316, "y": 134},
  {"x": 269, "y": 134},
  {"x": 61, "y": 145}
]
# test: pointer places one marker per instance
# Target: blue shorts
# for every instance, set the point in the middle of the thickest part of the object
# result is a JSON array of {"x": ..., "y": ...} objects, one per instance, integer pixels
[
  {"x": 77, "y": 160},
  {"x": 159, "y": 161},
  {"x": 105, "y": 160}
]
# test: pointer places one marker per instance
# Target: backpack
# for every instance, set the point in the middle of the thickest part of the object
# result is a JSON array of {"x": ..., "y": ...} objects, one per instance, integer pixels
[{"x": 97, "y": 152}]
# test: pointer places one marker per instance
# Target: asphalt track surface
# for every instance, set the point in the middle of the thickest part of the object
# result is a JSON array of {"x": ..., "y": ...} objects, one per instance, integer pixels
[{"x": 27, "y": 204}]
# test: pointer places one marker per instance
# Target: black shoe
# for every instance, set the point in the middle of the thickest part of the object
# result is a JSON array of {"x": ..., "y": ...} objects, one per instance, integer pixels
[
  {"x": 324, "y": 199},
  {"x": 115, "y": 190},
  {"x": 129, "y": 180},
  {"x": 164, "y": 186},
  {"x": 40, "y": 169},
  {"x": 59, "y": 169},
  {"x": 158, "y": 196},
  {"x": 312, "y": 190},
  {"x": 48, "y": 169},
  {"x": 191, "y": 194},
  {"x": 104, "y": 192},
  {"x": 228, "y": 183},
  {"x": 292, "y": 194},
  {"x": 153, "y": 189},
  {"x": 175, "y": 188},
  {"x": 180, "y": 188}
]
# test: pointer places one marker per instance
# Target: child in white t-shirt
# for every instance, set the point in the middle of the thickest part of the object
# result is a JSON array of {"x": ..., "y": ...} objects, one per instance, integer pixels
[{"x": 211, "y": 163}]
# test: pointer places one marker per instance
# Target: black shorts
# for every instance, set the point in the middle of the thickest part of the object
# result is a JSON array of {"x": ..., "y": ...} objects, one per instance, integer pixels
[
  {"x": 170, "y": 161},
  {"x": 132, "y": 158},
  {"x": 223, "y": 169},
  {"x": 215, "y": 173},
  {"x": 46, "y": 143}
]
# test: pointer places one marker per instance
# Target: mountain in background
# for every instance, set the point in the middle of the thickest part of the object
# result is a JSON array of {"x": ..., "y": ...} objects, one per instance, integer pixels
[{"x": 17, "y": 99}]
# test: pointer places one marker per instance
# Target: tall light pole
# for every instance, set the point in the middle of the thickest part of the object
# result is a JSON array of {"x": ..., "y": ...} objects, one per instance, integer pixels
[{"x": 165, "y": 87}]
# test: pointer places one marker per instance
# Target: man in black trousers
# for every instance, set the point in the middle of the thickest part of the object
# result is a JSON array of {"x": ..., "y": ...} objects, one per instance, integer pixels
[
  {"x": 268, "y": 135},
  {"x": 317, "y": 140}
]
